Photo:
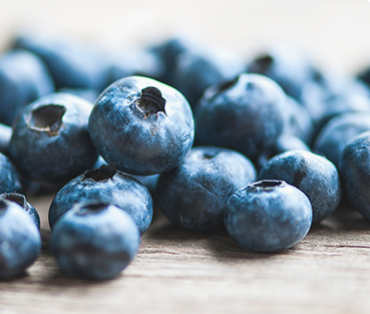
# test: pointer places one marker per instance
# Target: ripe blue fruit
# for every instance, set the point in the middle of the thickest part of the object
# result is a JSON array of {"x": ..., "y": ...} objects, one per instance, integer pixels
[
  {"x": 354, "y": 166},
  {"x": 286, "y": 64},
  {"x": 108, "y": 185},
  {"x": 299, "y": 122},
  {"x": 327, "y": 86},
  {"x": 20, "y": 199},
  {"x": 149, "y": 181},
  {"x": 246, "y": 114},
  {"x": 142, "y": 126},
  {"x": 20, "y": 240},
  {"x": 194, "y": 194},
  {"x": 268, "y": 216},
  {"x": 343, "y": 104},
  {"x": 196, "y": 71},
  {"x": 71, "y": 63},
  {"x": 23, "y": 79},
  {"x": 50, "y": 142},
  {"x": 169, "y": 50},
  {"x": 135, "y": 62},
  {"x": 95, "y": 241},
  {"x": 284, "y": 143},
  {"x": 339, "y": 131},
  {"x": 314, "y": 175},
  {"x": 10, "y": 179}
]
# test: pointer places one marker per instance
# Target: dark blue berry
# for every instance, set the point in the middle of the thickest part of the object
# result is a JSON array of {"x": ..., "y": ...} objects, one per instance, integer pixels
[
  {"x": 20, "y": 240},
  {"x": 354, "y": 168},
  {"x": 196, "y": 71},
  {"x": 287, "y": 65},
  {"x": 50, "y": 142},
  {"x": 246, "y": 114},
  {"x": 317, "y": 93},
  {"x": 299, "y": 122},
  {"x": 95, "y": 241},
  {"x": 314, "y": 175},
  {"x": 149, "y": 181},
  {"x": 169, "y": 51},
  {"x": 71, "y": 63},
  {"x": 10, "y": 179},
  {"x": 107, "y": 185},
  {"x": 136, "y": 62},
  {"x": 284, "y": 143},
  {"x": 23, "y": 79},
  {"x": 142, "y": 126},
  {"x": 20, "y": 199},
  {"x": 342, "y": 104},
  {"x": 268, "y": 216},
  {"x": 194, "y": 194},
  {"x": 334, "y": 136}
]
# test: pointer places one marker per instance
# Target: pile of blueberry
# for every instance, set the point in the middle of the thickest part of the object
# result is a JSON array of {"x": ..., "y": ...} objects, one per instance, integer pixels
[{"x": 197, "y": 148}]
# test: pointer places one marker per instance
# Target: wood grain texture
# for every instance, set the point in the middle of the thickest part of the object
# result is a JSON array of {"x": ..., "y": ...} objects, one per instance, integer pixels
[{"x": 179, "y": 271}]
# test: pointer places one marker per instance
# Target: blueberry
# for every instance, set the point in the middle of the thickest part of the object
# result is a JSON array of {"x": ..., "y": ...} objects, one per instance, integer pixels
[
  {"x": 284, "y": 143},
  {"x": 246, "y": 114},
  {"x": 326, "y": 86},
  {"x": 10, "y": 179},
  {"x": 336, "y": 83},
  {"x": 149, "y": 181},
  {"x": 268, "y": 216},
  {"x": 20, "y": 199},
  {"x": 20, "y": 240},
  {"x": 342, "y": 104},
  {"x": 50, "y": 142},
  {"x": 108, "y": 185},
  {"x": 136, "y": 62},
  {"x": 95, "y": 241},
  {"x": 287, "y": 142},
  {"x": 287, "y": 65},
  {"x": 334, "y": 136},
  {"x": 346, "y": 103},
  {"x": 141, "y": 126},
  {"x": 299, "y": 122},
  {"x": 194, "y": 194},
  {"x": 169, "y": 50},
  {"x": 5, "y": 135},
  {"x": 195, "y": 72},
  {"x": 313, "y": 98},
  {"x": 71, "y": 63},
  {"x": 314, "y": 175},
  {"x": 354, "y": 168},
  {"x": 23, "y": 79}
]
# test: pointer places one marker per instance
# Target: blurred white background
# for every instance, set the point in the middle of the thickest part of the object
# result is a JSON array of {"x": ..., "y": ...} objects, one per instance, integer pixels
[{"x": 335, "y": 32}]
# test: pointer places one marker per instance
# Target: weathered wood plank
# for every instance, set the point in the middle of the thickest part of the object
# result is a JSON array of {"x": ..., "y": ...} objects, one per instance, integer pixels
[{"x": 181, "y": 271}]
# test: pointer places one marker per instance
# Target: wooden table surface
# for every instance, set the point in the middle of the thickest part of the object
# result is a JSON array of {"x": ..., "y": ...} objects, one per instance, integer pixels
[{"x": 179, "y": 271}]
